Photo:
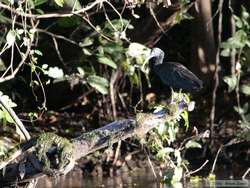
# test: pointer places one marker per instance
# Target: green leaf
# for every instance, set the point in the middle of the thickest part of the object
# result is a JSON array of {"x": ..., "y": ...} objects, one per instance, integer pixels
[
  {"x": 245, "y": 89},
  {"x": 2, "y": 65},
  {"x": 225, "y": 52},
  {"x": 99, "y": 83},
  {"x": 11, "y": 38},
  {"x": 86, "y": 42},
  {"x": 231, "y": 82},
  {"x": 238, "y": 22},
  {"x": 68, "y": 21},
  {"x": 161, "y": 154},
  {"x": 113, "y": 48},
  {"x": 239, "y": 109},
  {"x": 107, "y": 61},
  {"x": 59, "y": 2},
  {"x": 184, "y": 115},
  {"x": 81, "y": 71},
  {"x": 38, "y": 52},
  {"x": 39, "y": 2}
]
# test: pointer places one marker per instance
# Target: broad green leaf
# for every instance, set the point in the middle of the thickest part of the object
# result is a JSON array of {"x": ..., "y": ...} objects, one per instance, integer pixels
[
  {"x": 245, "y": 89},
  {"x": 137, "y": 49},
  {"x": 7, "y": 100},
  {"x": 59, "y": 2},
  {"x": 113, "y": 48},
  {"x": 99, "y": 83},
  {"x": 225, "y": 52},
  {"x": 107, "y": 61},
  {"x": 81, "y": 71},
  {"x": 238, "y": 22},
  {"x": 86, "y": 52},
  {"x": 231, "y": 82},
  {"x": 239, "y": 109},
  {"x": 86, "y": 42}
]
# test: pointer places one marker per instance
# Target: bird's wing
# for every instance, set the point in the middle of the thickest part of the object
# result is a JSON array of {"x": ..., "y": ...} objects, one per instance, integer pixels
[{"x": 183, "y": 73}]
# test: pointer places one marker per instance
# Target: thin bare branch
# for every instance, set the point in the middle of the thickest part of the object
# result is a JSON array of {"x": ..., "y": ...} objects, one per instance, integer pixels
[
  {"x": 198, "y": 169},
  {"x": 52, "y": 15},
  {"x": 13, "y": 74},
  {"x": 216, "y": 72}
]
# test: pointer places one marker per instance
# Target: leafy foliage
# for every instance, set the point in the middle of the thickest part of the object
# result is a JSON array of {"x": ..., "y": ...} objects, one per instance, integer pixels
[{"x": 239, "y": 44}]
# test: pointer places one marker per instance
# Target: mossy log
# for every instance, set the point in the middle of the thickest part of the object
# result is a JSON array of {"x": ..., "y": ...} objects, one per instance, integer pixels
[{"x": 57, "y": 155}]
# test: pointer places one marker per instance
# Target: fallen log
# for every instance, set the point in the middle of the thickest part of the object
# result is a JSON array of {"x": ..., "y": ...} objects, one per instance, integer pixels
[{"x": 55, "y": 155}]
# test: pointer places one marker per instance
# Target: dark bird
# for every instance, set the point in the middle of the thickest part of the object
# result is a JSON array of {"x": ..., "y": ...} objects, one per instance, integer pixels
[{"x": 172, "y": 74}]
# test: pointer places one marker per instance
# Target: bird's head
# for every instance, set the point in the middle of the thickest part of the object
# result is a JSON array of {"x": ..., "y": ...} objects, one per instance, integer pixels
[{"x": 156, "y": 56}]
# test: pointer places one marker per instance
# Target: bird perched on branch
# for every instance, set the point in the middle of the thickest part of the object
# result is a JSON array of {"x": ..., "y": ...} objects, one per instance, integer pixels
[{"x": 172, "y": 74}]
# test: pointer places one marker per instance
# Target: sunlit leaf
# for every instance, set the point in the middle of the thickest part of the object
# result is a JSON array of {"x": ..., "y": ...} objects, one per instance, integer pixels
[
  {"x": 81, "y": 71},
  {"x": 55, "y": 72},
  {"x": 59, "y": 2},
  {"x": 10, "y": 38},
  {"x": 137, "y": 49},
  {"x": 239, "y": 109},
  {"x": 192, "y": 144},
  {"x": 163, "y": 152},
  {"x": 86, "y": 42},
  {"x": 38, "y": 52},
  {"x": 86, "y": 52},
  {"x": 245, "y": 89},
  {"x": 231, "y": 82},
  {"x": 225, "y": 52}
]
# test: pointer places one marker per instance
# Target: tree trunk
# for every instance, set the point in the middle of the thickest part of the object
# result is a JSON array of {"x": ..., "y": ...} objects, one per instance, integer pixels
[{"x": 204, "y": 49}]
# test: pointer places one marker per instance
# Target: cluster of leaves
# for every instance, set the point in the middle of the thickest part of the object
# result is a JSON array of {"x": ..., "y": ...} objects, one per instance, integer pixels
[
  {"x": 110, "y": 51},
  {"x": 239, "y": 45},
  {"x": 161, "y": 139}
]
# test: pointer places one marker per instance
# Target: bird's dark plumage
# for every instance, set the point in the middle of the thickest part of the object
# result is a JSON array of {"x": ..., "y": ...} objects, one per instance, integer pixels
[{"x": 173, "y": 74}]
